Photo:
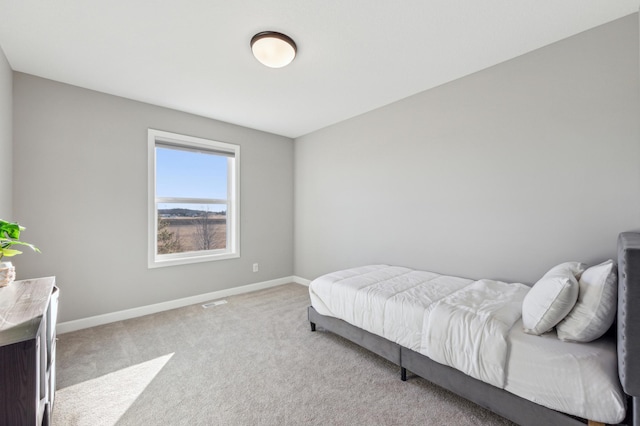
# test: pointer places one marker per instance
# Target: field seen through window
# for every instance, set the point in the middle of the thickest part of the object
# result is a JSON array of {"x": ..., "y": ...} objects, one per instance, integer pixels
[{"x": 179, "y": 234}]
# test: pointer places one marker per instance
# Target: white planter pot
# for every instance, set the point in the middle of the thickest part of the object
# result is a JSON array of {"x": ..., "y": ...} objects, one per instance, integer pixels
[{"x": 7, "y": 273}]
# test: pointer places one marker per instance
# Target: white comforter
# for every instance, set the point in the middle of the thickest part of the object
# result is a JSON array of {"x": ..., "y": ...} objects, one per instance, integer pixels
[
  {"x": 468, "y": 329},
  {"x": 469, "y": 325},
  {"x": 455, "y": 321}
]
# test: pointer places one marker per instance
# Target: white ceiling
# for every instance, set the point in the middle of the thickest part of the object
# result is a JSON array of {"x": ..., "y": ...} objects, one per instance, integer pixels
[{"x": 353, "y": 55}]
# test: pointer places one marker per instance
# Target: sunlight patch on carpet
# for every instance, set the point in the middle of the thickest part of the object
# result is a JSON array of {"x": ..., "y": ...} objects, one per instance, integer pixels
[{"x": 102, "y": 401}]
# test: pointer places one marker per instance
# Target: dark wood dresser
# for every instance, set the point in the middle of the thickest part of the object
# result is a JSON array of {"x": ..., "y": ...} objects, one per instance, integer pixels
[{"x": 28, "y": 313}]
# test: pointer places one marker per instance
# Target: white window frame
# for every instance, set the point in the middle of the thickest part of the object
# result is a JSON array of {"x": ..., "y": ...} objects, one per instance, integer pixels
[{"x": 232, "y": 151}]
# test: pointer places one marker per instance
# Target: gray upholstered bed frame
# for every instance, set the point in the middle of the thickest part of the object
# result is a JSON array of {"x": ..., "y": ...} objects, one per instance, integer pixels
[{"x": 499, "y": 401}]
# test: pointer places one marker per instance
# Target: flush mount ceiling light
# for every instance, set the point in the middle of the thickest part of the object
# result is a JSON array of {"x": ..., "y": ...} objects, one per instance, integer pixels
[{"x": 273, "y": 49}]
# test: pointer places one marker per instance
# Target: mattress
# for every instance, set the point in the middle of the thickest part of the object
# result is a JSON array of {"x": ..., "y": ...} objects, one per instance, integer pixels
[
  {"x": 575, "y": 378},
  {"x": 393, "y": 302}
]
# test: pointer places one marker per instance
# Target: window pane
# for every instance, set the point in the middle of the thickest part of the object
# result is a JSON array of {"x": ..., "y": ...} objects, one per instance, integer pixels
[
  {"x": 191, "y": 227},
  {"x": 194, "y": 199},
  {"x": 190, "y": 174}
]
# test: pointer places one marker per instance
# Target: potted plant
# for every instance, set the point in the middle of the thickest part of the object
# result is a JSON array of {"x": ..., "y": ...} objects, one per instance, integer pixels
[{"x": 9, "y": 237}]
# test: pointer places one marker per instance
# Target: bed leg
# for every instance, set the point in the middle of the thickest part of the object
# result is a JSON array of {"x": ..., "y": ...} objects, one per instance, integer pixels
[
  {"x": 403, "y": 374},
  {"x": 313, "y": 326}
]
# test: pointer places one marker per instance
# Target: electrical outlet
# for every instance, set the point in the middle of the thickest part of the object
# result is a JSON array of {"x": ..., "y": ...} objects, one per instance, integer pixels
[{"x": 256, "y": 268}]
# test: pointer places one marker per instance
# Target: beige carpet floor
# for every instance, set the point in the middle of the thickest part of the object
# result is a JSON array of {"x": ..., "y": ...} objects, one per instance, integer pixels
[{"x": 252, "y": 361}]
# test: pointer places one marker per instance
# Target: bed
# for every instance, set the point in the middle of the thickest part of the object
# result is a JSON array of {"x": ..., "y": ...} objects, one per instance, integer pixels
[{"x": 513, "y": 360}]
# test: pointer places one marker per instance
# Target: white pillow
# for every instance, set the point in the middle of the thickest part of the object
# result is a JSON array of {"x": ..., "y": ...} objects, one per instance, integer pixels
[
  {"x": 551, "y": 298},
  {"x": 595, "y": 309}
]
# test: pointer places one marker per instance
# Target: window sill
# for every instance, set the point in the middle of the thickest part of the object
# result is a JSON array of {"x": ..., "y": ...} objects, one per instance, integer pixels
[{"x": 159, "y": 263}]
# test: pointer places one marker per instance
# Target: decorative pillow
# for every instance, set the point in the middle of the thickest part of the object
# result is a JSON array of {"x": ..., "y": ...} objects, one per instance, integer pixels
[
  {"x": 551, "y": 298},
  {"x": 595, "y": 309}
]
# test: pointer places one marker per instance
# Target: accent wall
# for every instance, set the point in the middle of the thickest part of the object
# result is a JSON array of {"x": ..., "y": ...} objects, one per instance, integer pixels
[{"x": 501, "y": 174}]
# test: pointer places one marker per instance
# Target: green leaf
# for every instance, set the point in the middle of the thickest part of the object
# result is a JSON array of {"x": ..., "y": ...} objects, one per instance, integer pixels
[
  {"x": 9, "y": 234},
  {"x": 11, "y": 230},
  {"x": 22, "y": 243},
  {"x": 4, "y": 243},
  {"x": 9, "y": 252}
]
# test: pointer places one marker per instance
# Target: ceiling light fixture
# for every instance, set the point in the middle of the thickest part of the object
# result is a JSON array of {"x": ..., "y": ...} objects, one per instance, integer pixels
[{"x": 273, "y": 49}]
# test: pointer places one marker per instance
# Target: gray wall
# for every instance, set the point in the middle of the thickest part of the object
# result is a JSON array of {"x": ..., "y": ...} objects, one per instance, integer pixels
[
  {"x": 80, "y": 187},
  {"x": 6, "y": 138},
  {"x": 501, "y": 174}
]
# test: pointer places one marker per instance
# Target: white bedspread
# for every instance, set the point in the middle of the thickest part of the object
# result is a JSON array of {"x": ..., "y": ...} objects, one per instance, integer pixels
[
  {"x": 389, "y": 301},
  {"x": 469, "y": 325},
  {"x": 468, "y": 329},
  {"x": 454, "y": 321}
]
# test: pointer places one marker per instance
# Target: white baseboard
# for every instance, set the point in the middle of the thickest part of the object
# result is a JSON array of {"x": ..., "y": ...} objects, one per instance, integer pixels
[
  {"x": 68, "y": 326},
  {"x": 300, "y": 280}
]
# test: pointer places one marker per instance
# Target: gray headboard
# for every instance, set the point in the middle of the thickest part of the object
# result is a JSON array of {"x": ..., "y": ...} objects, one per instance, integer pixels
[{"x": 629, "y": 312}]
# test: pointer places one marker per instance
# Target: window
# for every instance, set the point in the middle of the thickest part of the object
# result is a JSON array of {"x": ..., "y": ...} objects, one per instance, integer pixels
[{"x": 193, "y": 199}]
